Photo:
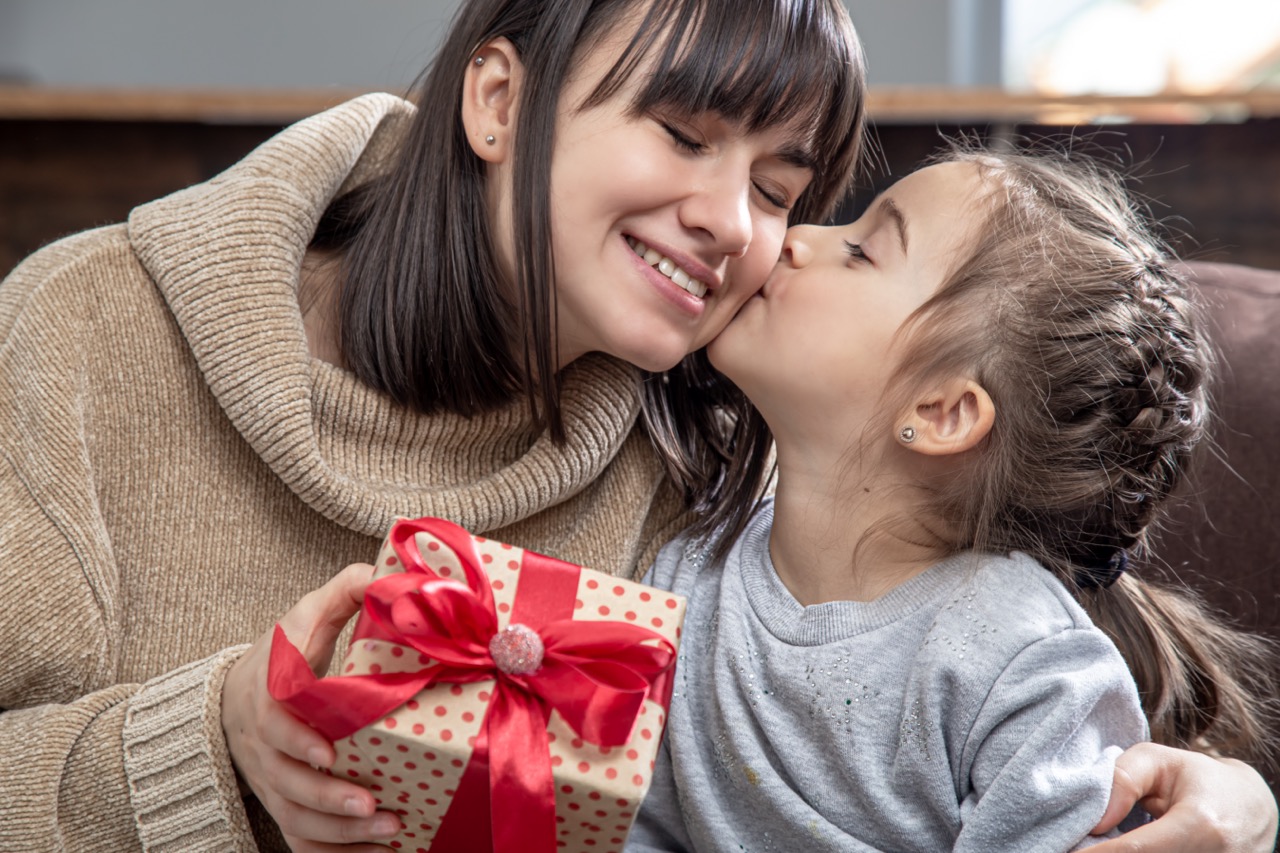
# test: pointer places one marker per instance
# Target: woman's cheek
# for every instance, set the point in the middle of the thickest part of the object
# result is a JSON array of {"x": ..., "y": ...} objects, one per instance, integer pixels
[{"x": 763, "y": 255}]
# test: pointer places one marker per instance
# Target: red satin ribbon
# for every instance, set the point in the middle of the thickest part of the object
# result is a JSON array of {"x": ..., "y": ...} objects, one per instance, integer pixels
[{"x": 596, "y": 674}]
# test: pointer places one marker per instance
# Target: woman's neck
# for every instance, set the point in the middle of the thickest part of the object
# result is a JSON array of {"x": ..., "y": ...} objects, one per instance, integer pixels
[
  {"x": 839, "y": 530},
  {"x": 318, "y": 303}
]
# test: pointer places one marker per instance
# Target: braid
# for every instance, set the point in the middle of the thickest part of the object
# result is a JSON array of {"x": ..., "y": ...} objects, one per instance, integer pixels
[{"x": 1071, "y": 315}]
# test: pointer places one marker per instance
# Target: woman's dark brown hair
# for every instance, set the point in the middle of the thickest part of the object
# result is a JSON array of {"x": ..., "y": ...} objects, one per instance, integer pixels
[
  {"x": 1072, "y": 315},
  {"x": 423, "y": 307}
]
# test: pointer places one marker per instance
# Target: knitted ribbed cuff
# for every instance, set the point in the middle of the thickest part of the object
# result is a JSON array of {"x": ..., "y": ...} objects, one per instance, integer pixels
[{"x": 181, "y": 780}]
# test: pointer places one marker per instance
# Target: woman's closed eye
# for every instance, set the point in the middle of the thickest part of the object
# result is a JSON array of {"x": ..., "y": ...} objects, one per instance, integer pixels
[
  {"x": 777, "y": 198},
  {"x": 683, "y": 140}
]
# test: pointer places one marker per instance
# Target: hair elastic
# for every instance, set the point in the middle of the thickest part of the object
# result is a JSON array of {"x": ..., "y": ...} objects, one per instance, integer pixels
[
  {"x": 1103, "y": 574},
  {"x": 907, "y": 434}
]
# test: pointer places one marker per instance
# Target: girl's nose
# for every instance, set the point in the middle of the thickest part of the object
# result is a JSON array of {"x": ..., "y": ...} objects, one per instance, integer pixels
[{"x": 798, "y": 245}]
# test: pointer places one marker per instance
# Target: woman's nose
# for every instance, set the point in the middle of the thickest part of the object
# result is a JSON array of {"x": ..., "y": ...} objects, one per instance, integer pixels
[{"x": 721, "y": 208}]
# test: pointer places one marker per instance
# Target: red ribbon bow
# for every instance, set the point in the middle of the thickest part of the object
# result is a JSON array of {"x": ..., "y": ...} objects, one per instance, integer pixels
[{"x": 596, "y": 674}]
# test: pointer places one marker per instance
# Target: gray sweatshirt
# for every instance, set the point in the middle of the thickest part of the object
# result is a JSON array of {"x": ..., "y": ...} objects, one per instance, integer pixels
[{"x": 973, "y": 708}]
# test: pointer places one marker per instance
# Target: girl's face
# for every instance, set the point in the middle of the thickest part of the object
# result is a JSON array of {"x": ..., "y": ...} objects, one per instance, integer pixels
[
  {"x": 815, "y": 345},
  {"x": 664, "y": 224}
]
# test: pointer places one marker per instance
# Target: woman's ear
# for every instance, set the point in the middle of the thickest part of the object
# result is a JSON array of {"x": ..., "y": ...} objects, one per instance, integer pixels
[
  {"x": 951, "y": 418},
  {"x": 490, "y": 94}
]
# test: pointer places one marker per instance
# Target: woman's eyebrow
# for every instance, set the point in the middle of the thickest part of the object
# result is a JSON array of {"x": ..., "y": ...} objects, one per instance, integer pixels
[
  {"x": 797, "y": 155},
  {"x": 890, "y": 208}
]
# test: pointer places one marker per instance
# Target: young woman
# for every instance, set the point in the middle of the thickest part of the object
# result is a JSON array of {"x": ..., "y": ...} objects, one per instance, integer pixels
[
  {"x": 388, "y": 311},
  {"x": 983, "y": 393}
]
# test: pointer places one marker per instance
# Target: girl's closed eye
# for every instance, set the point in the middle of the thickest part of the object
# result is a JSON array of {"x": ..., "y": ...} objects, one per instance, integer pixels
[{"x": 855, "y": 252}]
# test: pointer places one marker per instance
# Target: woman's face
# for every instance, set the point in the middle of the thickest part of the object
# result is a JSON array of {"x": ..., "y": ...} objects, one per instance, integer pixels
[{"x": 663, "y": 225}]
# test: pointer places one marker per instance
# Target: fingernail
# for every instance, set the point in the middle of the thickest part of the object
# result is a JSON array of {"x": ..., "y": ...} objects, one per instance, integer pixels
[
  {"x": 317, "y": 756},
  {"x": 386, "y": 826},
  {"x": 355, "y": 807}
]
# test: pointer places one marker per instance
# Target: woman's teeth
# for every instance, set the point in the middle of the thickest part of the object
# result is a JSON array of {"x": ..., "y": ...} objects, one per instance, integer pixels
[{"x": 667, "y": 267}]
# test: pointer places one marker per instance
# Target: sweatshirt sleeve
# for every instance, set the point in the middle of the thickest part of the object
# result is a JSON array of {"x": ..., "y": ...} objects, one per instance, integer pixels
[
  {"x": 1041, "y": 753},
  {"x": 85, "y": 762}
]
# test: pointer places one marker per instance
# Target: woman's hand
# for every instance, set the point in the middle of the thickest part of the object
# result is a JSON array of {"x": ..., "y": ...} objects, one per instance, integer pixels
[
  {"x": 276, "y": 753},
  {"x": 1201, "y": 804}
]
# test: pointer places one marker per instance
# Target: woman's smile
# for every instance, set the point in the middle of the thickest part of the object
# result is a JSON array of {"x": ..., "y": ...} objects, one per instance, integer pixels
[{"x": 668, "y": 267}]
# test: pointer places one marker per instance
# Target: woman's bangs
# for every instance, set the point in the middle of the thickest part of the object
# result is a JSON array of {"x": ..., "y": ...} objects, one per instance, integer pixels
[{"x": 764, "y": 64}]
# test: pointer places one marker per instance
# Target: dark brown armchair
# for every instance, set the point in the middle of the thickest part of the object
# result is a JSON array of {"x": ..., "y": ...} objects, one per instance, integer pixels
[{"x": 1225, "y": 540}]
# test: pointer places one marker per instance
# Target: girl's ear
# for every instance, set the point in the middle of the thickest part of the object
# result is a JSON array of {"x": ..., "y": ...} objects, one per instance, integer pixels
[
  {"x": 490, "y": 94},
  {"x": 952, "y": 418}
]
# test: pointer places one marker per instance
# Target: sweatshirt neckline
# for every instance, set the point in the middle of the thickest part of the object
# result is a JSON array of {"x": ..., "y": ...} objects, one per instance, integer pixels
[
  {"x": 226, "y": 255},
  {"x": 834, "y": 621}
]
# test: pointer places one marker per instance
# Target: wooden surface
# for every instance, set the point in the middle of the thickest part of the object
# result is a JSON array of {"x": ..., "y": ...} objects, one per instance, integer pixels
[
  {"x": 885, "y": 104},
  {"x": 928, "y": 106},
  {"x": 265, "y": 106}
]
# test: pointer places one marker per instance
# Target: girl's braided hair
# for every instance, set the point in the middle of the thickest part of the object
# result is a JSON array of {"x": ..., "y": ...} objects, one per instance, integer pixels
[{"x": 1074, "y": 317}]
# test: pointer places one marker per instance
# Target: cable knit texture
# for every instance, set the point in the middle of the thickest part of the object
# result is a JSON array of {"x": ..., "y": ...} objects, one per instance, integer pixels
[{"x": 176, "y": 472}]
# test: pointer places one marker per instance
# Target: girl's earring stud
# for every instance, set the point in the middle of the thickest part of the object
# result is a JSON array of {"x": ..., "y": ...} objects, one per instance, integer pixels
[
  {"x": 907, "y": 434},
  {"x": 479, "y": 60},
  {"x": 491, "y": 139}
]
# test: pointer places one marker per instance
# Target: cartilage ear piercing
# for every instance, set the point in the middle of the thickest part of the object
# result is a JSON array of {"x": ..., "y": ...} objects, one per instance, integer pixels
[
  {"x": 491, "y": 139},
  {"x": 907, "y": 434},
  {"x": 479, "y": 60}
]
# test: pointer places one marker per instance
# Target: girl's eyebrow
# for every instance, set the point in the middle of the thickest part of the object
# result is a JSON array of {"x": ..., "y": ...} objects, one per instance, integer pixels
[{"x": 890, "y": 208}]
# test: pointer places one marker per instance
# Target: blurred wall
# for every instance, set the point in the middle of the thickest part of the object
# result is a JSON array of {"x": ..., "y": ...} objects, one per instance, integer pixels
[
  {"x": 383, "y": 44},
  {"x": 371, "y": 44}
]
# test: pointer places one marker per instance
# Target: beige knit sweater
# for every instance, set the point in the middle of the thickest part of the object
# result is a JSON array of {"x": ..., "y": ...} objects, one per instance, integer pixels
[{"x": 176, "y": 472}]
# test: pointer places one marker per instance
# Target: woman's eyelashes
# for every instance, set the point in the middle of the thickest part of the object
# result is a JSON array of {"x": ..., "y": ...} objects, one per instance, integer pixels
[
  {"x": 685, "y": 142},
  {"x": 855, "y": 252},
  {"x": 775, "y": 198}
]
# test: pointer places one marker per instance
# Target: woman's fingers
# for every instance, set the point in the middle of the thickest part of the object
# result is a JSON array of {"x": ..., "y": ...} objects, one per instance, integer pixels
[
  {"x": 283, "y": 732},
  {"x": 299, "y": 845},
  {"x": 277, "y": 754},
  {"x": 1201, "y": 804},
  {"x": 1132, "y": 779},
  {"x": 304, "y": 786},
  {"x": 306, "y": 824},
  {"x": 313, "y": 624},
  {"x": 1174, "y": 833}
]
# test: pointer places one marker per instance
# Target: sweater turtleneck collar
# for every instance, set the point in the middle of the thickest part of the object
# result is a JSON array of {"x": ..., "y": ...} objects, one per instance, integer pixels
[{"x": 226, "y": 254}]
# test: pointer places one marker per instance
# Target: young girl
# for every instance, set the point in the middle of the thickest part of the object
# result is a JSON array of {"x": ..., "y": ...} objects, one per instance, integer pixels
[{"x": 983, "y": 392}]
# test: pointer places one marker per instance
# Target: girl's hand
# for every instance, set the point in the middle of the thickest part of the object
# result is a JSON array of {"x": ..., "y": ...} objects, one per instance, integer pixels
[
  {"x": 276, "y": 753},
  {"x": 1201, "y": 804}
]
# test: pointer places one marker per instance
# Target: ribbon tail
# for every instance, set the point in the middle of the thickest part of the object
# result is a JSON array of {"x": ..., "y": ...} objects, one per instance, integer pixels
[
  {"x": 335, "y": 707},
  {"x": 468, "y": 822},
  {"x": 523, "y": 808}
]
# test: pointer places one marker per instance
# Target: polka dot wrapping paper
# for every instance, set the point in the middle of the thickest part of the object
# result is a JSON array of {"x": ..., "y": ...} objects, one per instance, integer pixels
[{"x": 417, "y": 758}]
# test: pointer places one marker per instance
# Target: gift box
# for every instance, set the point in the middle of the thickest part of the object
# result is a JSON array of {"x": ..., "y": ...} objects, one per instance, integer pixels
[{"x": 495, "y": 698}]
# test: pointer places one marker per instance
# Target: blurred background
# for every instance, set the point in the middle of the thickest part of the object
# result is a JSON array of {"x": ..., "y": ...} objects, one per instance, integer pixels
[
  {"x": 1126, "y": 47},
  {"x": 107, "y": 103}
]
